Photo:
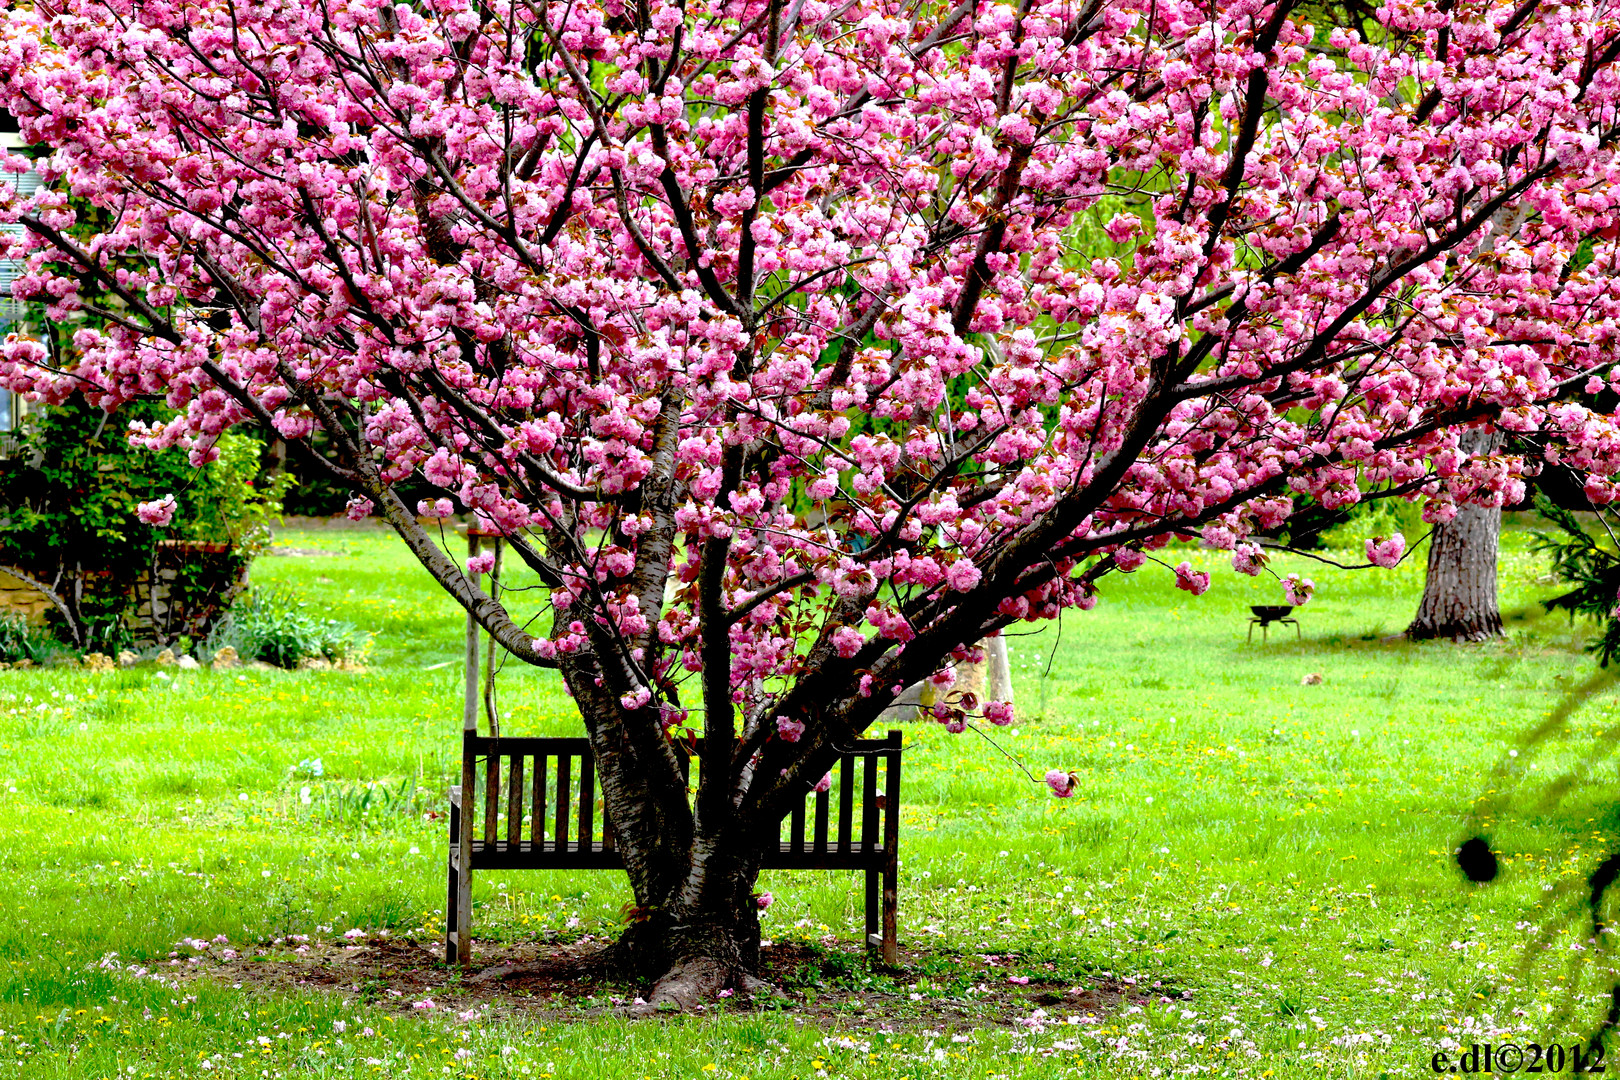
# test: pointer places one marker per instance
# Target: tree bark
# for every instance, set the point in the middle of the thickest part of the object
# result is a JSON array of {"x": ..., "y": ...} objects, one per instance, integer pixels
[
  {"x": 694, "y": 930},
  {"x": 701, "y": 941},
  {"x": 1459, "y": 589}
]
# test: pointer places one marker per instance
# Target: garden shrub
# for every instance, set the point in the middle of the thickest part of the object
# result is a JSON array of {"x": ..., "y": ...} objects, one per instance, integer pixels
[
  {"x": 274, "y": 626},
  {"x": 1589, "y": 561},
  {"x": 68, "y": 502}
]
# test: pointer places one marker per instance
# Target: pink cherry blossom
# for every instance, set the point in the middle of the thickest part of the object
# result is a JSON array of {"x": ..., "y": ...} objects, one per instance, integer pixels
[
  {"x": 1297, "y": 589},
  {"x": 848, "y": 641},
  {"x": 963, "y": 575},
  {"x": 1129, "y": 559},
  {"x": 481, "y": 564},
  {"x": 1062, "y": 783},
  {"x": 1248, "y": 559},
  {"x": 1193, "y": 581},
  {"x": 1382, "y": 552},
  {"x": 789, "y": 730},
  {"x": 159, "y": 512},
  {"x": 1121, "y": 227}
]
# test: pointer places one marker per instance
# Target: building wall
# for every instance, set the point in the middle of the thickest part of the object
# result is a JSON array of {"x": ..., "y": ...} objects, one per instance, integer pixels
[{"x": 23, "y": 595}]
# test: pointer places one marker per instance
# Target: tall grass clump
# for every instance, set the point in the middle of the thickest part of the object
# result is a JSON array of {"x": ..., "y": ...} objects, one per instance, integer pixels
[
  {"x": 23, "y": 640},
  {"x": 274, "y": 625}
]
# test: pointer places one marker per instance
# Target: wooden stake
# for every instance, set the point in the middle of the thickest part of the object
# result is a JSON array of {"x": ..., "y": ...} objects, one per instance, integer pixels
[
  {"x": 492, "y": 713},
  {"x": 469, "y": 713},
  {"x": 462, "y": 920}
]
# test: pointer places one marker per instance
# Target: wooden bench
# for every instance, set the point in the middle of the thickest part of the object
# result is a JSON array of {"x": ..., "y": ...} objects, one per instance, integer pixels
[{"x": 545, "y": 790}]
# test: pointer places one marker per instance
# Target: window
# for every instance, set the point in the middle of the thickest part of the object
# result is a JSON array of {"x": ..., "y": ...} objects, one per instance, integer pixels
[
  {"x": 9, "y": 308},
  {"x": 11, "y": 406}
]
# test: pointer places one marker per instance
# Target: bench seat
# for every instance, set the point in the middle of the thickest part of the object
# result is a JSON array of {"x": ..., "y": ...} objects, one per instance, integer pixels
[{"x": 502, "y": 855}]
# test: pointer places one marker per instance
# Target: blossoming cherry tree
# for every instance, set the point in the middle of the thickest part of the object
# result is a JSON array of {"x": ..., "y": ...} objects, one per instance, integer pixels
[{"x": 797, "y": 346}]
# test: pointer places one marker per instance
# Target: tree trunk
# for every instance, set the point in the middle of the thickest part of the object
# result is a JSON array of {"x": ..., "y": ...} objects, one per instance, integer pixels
[
  {"x": 703, "y": 941},
  {"x": 990, "y": 680},
  {"x": 694, "y": 930},
  {"x": 998, "y": 673},
  {"x": 1459, "y": 589}
]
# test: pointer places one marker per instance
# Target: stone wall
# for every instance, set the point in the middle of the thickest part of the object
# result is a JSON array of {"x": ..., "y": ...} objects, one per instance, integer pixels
[
  {"x": 194, "y": 584},
  {"x": 22, "y": 595}
]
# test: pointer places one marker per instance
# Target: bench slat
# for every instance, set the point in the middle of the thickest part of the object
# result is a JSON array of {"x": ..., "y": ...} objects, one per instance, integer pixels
[
  {"x": 492, "y": 795},
  {"x": 891, "y": 791},
  {"x": 537, "y": 803},
  {"x": 869, "y": 807},
  {"x": 572, "y": 745},
  {"x": 527, "y": 857},
  {"x": 504, "y": 856},
  {"x": 846, "y": 801},
  {"x": 559, "y": 831},
  {"x": 587, "y": 798},
  {"x": 823, "y": 798},
  {"x": 514, "y": 800}
]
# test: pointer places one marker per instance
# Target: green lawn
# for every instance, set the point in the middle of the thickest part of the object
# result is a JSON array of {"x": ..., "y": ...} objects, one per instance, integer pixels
[{"x": 1268, "y": 861}]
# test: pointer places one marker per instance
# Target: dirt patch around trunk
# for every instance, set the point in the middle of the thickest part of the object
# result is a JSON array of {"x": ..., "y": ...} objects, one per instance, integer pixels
[{"x": 828, "y": 983}]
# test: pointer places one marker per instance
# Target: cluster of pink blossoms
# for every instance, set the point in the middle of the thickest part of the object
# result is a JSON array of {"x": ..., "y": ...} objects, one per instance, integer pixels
[
  {"x": 158, "y": 512},
  {"x": 1386, "y": 552}
]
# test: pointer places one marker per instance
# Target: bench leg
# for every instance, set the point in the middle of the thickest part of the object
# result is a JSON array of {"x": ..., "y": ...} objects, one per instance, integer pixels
[
  {"x": 873, "y": 938},
  {"x": 450, "y": 916},
  {"x": 458, "y": 899},
  {"x": 454, "y": 890},
  {"x": 891, "y": 904},
  {"x": 464, "y": 916}
]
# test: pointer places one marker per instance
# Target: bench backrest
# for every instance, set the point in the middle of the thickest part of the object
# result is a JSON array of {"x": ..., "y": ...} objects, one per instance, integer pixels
[
  {"x": 543, "y": 788},
  {"x": 542, "y": 791},
  {"x": 864, "y": 786}
]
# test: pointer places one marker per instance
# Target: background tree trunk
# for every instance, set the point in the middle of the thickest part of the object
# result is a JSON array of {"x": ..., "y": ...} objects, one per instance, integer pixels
[
  {"x": 1459, "y": 589},
  {"x": 990, "y": 680}
]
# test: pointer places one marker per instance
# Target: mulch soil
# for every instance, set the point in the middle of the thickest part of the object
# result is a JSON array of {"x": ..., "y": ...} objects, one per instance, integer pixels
[{"x": 829, "y": 985}]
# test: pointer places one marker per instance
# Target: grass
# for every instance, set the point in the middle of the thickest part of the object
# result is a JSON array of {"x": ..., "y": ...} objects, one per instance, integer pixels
[{"x": 1270, "y": 862}]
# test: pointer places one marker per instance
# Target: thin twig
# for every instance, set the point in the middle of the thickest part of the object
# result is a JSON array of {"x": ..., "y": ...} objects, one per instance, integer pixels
[
  {"x": 1324, "y": 559},
  {"x": 1004, "y": 753}
]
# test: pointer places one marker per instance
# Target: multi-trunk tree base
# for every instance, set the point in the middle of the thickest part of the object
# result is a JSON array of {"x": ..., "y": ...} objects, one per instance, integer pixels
[{"x": 691, "y": 965}]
